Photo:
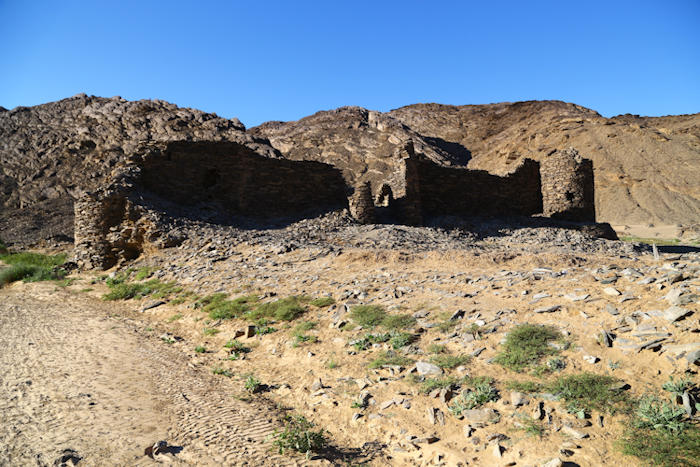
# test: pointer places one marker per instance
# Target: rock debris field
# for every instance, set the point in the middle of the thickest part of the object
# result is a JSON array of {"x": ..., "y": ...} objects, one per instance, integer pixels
[{"x": 499, "y": 345}]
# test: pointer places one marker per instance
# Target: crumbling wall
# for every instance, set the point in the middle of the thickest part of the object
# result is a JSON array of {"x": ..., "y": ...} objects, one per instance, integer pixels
[
  {"x": 130, "y": 215},
  {"x": 241, "y": 181},
  {"x": 361, "y": 204},
  {"x": 462, "y": 192},
  {"x": 567, "y": 186}
]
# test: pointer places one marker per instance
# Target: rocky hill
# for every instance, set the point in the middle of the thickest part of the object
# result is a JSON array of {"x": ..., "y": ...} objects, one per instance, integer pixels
[
  {"x": 647, "y": 169},
  {"x": 50, "y": 153}
]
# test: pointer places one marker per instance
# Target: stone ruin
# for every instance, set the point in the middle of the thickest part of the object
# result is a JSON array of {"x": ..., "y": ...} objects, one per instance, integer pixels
[{"x": 226, "y": 182}]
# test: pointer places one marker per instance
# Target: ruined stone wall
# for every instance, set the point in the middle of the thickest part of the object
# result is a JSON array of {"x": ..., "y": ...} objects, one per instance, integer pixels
[
  {"x": 362, "y": 205},
  {"x": 240, "y": 180},
  {"x": 462, "y": 192},
  {"x": 567, "y": 187},
  {"x": 133, "y": 213}
]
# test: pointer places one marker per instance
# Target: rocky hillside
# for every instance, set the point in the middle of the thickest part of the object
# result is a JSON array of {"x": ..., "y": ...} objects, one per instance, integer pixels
[
  {"x": 51, "y": 152},
  {"x": 647, "y": 170},
  {"x": 360, "y": 142}
]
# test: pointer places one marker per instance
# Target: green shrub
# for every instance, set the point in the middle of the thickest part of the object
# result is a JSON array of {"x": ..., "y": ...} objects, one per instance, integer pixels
[
  {"x": 122, "y": 290},
  {"x": 366, "y": 342},
  {"x": 525, "y": 386},
  {"x": 653, "y": 413},
  {"x": 476, "y": 397},
  {"x": 659, "y": 447},
  {"x": 368, "y": 316},
  {"x": 252, "y": 384},
  {"x": 437, "y": 349},
  {"x": 31, "y": 267},
  {"x": 402, "y": 339},
  {"x": 143, "y": 273},
  {"x": 285, "y": 309},
  {"x": 588, "y": 391},
  {"x": 431, "y": 384},
  {"x": 299, "y": 435},
  {"x": 220, "y": 308},
  {"x": 526, "y": 344},
  {"x": 222, "y": 372},
  {"x": 236, "y": 345},
  {"x": 322, "y": 302},
  {"x": 677, "y": 388},
  {"x": 450, "y": 361},
  {"x": 200, "y": 349}
]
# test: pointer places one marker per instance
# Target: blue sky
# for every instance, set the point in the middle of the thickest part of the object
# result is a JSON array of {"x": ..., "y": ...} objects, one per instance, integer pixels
[{"x": 282, "y": 60}]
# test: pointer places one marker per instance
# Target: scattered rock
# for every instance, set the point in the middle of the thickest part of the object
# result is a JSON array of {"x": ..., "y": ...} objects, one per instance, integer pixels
[{"x": 428, "y": 369}]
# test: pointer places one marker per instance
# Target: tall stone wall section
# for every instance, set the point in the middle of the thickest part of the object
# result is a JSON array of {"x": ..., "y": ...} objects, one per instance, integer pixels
[
  {"x": 130, "y": 215},
  {"x": 567, "y": 187},
  {"x": 362, "y": 204},
  {"x": 241, "y": 181},
  {"x": 463, "y": 192}
]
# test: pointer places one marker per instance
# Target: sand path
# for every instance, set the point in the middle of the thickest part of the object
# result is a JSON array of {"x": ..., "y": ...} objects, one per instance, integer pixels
[{"x": 77, "y": 373}]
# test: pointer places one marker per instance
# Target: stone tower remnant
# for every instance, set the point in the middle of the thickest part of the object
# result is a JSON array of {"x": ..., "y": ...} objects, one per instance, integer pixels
[{"x": 567, "y": 186}]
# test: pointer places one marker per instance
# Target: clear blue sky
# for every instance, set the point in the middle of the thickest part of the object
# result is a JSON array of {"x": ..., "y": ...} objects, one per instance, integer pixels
[{"x": 282, "y": 60}]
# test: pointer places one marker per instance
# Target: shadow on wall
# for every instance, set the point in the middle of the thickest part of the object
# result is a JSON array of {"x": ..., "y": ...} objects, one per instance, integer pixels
[{"x": 227, "y": 183}]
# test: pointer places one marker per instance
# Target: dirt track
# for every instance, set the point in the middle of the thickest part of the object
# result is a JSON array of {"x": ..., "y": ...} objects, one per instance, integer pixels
[{"x": 75, "y": 374}]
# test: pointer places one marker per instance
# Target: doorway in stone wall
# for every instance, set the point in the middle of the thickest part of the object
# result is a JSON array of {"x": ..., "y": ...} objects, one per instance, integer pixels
[{"x": 385, "y": 206}]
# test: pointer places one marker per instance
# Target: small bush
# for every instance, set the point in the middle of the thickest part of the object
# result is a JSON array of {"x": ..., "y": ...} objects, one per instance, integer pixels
[
  {"x": 285, "y": 309},
  {"x": 476, "y": 397},
  {"x": 210, "y": 331},
  {"x": 450, "y": 361},
  {"x": 200, "y": 349},
  {"x": 431, "y": 384},
  {"x": 31, "y": 267},
  {"x": 662, "y": 448},
  {"x": 402, "y": 339},
  {"x": 222, "y": 372},
  {"x": 437, "y": 349},
  {"x": 368, "y": 316},
  {"x": 396, "y": 322},
  {"x": 227, "y": 309},
  {"x": 368, "y": 340},
  {"x": 322, "y": 302},
  {"x": 527, "y": 344},
  {"x": 588, "y": 391},
  {"x": 175, "y": 317},
  {"x": 299, "y": 435},
  {"x": 236, "y": 345},
  {"x": 122, "y": 290},
  {"x": 143, "y": 273},
  {"x": 252, "y": 384},
  {"x": 655, "y": 414},
  {"x": 525, "y": 386},
  {"x": 532, "y": 427},
  {"x": 677, "y": 388},
  {"x": 390, "y": 358}
]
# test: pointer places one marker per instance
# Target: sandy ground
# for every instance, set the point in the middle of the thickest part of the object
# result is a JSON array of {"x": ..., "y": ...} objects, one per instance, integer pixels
[{"x": 75, "y": 376}]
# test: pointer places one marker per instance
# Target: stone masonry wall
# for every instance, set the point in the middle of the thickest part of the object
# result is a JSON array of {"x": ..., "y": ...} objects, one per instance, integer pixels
[
  {"x": 240, "y": 180},
  {"x": 567, "y": 187},
  {"x": 462, "y": 192},
  {"x": 118, "y": 222},
  {"x": 362, "y": 205}
]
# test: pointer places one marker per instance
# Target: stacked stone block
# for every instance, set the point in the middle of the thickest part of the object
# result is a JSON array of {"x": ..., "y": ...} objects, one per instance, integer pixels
[
  {"x": 567, "y": 186},
  {"x": 361, "y": 204}
]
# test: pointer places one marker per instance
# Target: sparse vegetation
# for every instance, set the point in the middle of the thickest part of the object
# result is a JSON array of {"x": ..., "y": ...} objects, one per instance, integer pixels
[
  {"x": 532, "y": 427},
  {"x": 200, "y": 349},
  {"x": 390, "y": 358},
  {"x": 475, "y": 397},
  {"x": 589, "y": 391},
  {"x": 175, "y": 317},
  {"x": 430, "y": 384},
  {"x": 210, "y": 331},
  {"x": 121, "y": 289},
  {"x": 299, "y": 435},
  {"x": 370, "y": 316},
  {"x": 527, "y": 344},
  {"x": 31, "y": 267},
  {"x": 222, "y": 372},
  {"x": 252, "y": 384},
  {"x": 450, "y": 361},
  {"x": 322, "y": 302},
  {"x": 285, "y": 309}
]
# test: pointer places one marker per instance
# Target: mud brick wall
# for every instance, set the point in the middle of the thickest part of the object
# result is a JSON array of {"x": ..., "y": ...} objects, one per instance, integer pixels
[
  {"x": 462, "y": 192},
  {"x": 567, "y": 187},
  {"x": 242, "y": 181}
]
